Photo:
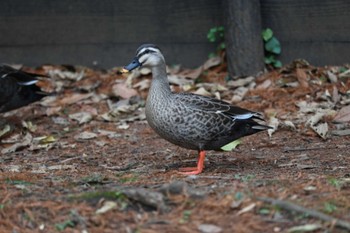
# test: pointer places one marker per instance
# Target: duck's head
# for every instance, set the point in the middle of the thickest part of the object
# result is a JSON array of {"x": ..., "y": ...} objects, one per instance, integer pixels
[{"x": 147, "y": 55}]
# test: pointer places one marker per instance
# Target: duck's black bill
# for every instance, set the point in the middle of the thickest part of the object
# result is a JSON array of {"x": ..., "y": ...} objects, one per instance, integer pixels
[{"x": 133, "y": 65}]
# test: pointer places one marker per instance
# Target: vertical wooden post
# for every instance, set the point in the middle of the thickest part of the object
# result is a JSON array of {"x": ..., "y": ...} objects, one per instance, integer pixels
[{"x": 244, "y": 46}]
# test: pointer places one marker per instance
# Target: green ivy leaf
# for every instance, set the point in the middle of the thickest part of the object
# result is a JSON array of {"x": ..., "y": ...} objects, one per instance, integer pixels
[
  {"x": 231, "y": 145},
  {"x": 270, "y": 59},
  {"x": 211, "y": 39},
  {"x": 273, "y": 46},
  {"x": 211, "y": 55},
  {"x": 277, "y": 64},
  {"x": 222, "y": 46},
  {"x": 267, "y": 34},
  {"x": 213, "y": 30}
]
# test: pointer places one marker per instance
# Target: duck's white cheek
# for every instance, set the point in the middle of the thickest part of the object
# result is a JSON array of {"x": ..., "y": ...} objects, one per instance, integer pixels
[
  {"x": 153, "y": 61},
  {"x": 142, "y": 60}
]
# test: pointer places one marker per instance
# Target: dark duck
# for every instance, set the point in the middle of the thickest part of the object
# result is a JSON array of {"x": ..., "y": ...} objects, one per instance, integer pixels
[{"x": 18, "y": 88}]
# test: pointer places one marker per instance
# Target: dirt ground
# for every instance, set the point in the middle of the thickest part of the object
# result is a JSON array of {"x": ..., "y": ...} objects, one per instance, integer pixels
[{"x": 107, "y": 175}]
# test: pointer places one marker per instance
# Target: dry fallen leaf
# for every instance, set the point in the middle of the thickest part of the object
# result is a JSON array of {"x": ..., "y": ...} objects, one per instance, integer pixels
[
  {"x": 209, "y": 228},
  {"x": 74, "y": 98},
  {"x": 304, "y": 228},
  {"x": 202, "y": 91},
  {"x": 109, "y": 134},
  {"x": 313, "y": 120},
  {"x": 321, "y": 129},
  {"x": 64, "y": 74},
  {"x": 343, "y": 115},
  {"x": 273, "y": 122},
  {"x": 192, "y": 74},
  {"x": 25, "y": 141},
  {"x": 180, "y": 81},
  {"x": 246, "y": 209},
  {"x": 81, "y": 117},
  {"x": 107, "y": 206},
  {"x": 5, "y": 130},
  {"x": 302, "y": 78},
  {"x": 85, "y": 135},
  {"x": 122, "y": 90},
  {"x": 143, "y": 84},
  {"x": 53, "y": 111},
  {"x": 332, "y": 77},
  {"x": 264, "y": 85},
  {"x": 240, "y": 82},
  {"x": 211, "y": 62},
  {"x": 46, "y": 139},
  {"x": 29, "y": 125}
]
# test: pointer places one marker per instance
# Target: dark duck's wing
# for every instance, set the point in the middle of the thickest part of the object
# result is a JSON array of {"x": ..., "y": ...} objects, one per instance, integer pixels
[
  {"x": 18, "y": 88},
  {"x": 227, "y": 123}
]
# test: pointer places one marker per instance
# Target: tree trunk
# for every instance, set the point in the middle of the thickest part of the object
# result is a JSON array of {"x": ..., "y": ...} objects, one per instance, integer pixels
[{"x": 244, "y": 45}]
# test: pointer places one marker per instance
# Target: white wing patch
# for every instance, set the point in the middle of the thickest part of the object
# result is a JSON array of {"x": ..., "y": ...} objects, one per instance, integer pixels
[
  {"x": 243, "y": 116},
  {"x": 28, "y": 83}
]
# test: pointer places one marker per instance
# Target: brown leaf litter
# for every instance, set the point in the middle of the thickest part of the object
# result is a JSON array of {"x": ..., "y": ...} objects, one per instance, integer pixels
[{"x": 85, "y": 160}]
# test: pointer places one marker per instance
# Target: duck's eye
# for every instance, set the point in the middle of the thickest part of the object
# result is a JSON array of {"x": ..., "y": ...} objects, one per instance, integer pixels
[{"x": 146, "y": 51}]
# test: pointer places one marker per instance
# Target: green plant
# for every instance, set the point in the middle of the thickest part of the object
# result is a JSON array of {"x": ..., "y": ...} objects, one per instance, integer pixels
[
  {"x": 186, "y": 214},
  {"x": 93, "y": 179},
  {"x": 17, "y": 182},
  {"x": 272, "y": 48},
  {"x": 338, "y": 184},
  {"x": 329, "y": 207},
  {"x": 217, "y": 35},
  {"x": 264, "y": 211},
  {"x": 239, "y": 196},
  {"x": 62, "y": 226},
  {"x": 244, "y": 178}
]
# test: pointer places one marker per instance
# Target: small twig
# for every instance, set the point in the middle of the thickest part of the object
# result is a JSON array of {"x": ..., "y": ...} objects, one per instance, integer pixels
[
  {"x": 313, "y": 213},
  {"x": 288, "y": 149},
  {"x": 216, "y": 177},
  {"x": 69, "y": 159},
  {"x": 121, "y": 168}
]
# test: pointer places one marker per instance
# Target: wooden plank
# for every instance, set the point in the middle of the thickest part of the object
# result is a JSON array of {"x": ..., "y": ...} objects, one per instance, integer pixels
[
  {"x": 315, "y": 30},
  {"x": 243, "y": 37},
  {"x": 83, "y": 31}
]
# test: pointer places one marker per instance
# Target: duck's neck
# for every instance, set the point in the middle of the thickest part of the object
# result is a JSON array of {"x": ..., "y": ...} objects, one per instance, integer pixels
[{"x": 160, "y": 84}]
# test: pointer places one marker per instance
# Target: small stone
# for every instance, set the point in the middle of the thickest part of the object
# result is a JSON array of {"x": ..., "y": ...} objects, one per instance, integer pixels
[
  {"x": 85, "y": 135},
  {"x": 209, "y": 228}
]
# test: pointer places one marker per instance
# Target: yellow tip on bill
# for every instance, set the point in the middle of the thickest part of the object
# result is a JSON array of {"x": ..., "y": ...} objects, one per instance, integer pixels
[{"x": 124, "y": 71}]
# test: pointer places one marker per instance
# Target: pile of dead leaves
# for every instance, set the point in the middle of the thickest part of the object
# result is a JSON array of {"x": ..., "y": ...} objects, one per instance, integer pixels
[{"x": 298, "y": 97}]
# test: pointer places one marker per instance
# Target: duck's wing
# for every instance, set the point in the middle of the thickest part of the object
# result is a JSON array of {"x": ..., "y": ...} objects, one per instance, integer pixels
[
  {"x": 22, "y": 78},
  {"x": 230, "y": 122},
  {"x": 216, "y": 106}
]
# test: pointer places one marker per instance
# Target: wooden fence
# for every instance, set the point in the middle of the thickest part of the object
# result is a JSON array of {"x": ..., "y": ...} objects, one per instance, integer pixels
[{"x": 107, "y": 33}]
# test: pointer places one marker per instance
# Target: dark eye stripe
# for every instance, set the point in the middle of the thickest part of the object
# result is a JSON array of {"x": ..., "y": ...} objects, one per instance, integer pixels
[{"x": 145, "y": 52}]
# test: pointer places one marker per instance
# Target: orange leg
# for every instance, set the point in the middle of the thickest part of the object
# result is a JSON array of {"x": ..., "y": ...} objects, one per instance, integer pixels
[{"x": 195, "y": 170}]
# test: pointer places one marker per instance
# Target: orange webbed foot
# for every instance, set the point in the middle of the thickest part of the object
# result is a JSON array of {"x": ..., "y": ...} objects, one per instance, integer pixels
[{"x": 195, "y": 170}]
